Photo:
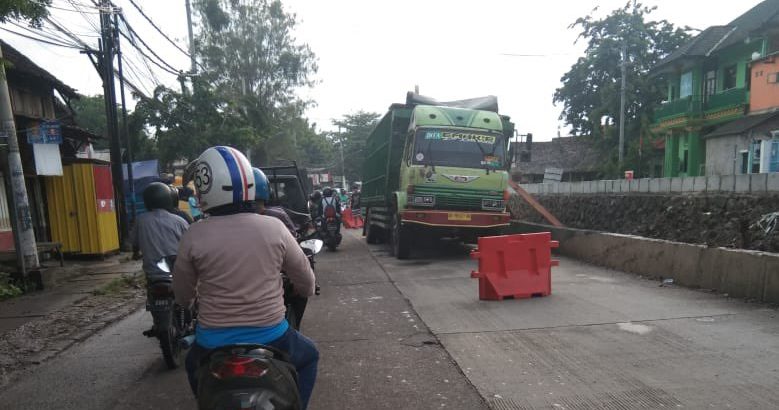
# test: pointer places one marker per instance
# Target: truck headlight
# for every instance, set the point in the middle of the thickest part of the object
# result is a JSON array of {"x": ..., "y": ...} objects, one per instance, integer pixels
[
  {"x": 493, "y": 204},
  {"x": 421, "y": 200}
]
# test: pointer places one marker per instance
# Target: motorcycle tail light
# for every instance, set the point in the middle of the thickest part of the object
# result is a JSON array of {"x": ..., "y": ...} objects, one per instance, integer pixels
[{"x": 237, "y": 366}]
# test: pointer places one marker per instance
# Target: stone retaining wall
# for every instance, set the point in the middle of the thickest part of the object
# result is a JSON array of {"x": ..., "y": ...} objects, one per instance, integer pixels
[{"x": 713, "y": 219}]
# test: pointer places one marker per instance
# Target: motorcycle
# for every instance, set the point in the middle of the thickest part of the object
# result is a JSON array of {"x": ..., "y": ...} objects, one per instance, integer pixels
[
  {"x": 296, "y": 305},
  {"x": 328, "y": 229},
  {"x": 171, "y": 321},
  {"x": 255, "y": 376}
]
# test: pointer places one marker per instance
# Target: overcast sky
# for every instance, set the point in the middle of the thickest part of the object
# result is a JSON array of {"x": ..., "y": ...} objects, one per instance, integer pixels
[{"x": 370, "y": 53}]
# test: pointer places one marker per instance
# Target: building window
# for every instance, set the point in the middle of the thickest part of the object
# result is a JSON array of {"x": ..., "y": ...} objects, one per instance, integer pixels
[
  {"x": 755, "y": 163},
  {"x": 685, "y": 159},
  {"x": 710, "y": 84},
  {"x": 729, "y": 79},
  {"x": 744, "y": 162},
  {"x": 685, "y": 88}
]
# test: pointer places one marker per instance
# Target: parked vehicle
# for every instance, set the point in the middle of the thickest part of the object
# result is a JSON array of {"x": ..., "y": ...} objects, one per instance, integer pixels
[
  {"x": 288, "y": 189},
  {"x": 171, "y": 321},
  {"x": 436, "y": 168}
]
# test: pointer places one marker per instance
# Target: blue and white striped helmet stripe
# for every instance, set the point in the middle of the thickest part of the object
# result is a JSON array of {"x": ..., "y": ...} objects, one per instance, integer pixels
[{"x": 235, "y": 173}]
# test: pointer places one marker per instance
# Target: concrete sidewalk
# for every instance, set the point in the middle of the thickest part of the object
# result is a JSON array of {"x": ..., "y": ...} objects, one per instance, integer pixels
[
  {"x": 39, "y": 326},
  {"x": 66, "y": 285}
]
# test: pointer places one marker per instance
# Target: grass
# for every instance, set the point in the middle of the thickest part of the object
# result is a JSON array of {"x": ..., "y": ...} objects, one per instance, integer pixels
[
  {"x": 7, "y": 288},
  {"x": 120, "y": 284}
]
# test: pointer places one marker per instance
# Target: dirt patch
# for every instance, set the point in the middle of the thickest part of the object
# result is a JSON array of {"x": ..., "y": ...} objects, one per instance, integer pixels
[{"x": 39, "y": 340}]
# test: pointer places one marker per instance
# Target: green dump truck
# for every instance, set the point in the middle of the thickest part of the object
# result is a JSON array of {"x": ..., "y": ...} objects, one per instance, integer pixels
[{"x": 434, "y": 169}]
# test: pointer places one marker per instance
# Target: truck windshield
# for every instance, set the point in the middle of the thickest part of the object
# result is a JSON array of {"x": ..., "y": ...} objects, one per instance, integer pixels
[{"x": 458, "y": 148}]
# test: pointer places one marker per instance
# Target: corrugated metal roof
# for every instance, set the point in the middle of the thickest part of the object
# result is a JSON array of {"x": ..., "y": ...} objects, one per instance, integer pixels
[
  {"x": 716, "y": 38},
  {"x": 23, "y": 65},
  {"x": 741, "y": 125},
  {"x": 572, "y": 154}
]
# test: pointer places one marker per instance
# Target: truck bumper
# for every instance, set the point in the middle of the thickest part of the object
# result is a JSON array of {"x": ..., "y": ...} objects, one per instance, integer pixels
[{"x": 453, "y": 219}]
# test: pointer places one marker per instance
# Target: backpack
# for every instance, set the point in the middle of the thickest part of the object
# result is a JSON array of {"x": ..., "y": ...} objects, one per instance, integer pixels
[{"x": 329, "y": 208}]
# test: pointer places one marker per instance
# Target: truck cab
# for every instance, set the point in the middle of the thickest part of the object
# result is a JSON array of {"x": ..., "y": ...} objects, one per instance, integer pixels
[
  {"x": 454, "y": 170},
  {"x": 436, "y": 170}
]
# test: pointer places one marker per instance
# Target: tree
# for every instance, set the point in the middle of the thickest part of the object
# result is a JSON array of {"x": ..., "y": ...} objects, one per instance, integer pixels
[
  {"x": 590, "y": 93},
  {"x": 246, "y": 92},
  {"x": 33, "y": 11},
  {"x": 253, "y": 61},
  {"x": 354, "y": 130},
  {"x": 89, "y": 113}
]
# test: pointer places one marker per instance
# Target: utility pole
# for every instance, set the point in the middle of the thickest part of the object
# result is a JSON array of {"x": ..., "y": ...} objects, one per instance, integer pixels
[
  {"x": 26, "y": 248},
  {"x": 107, "y": 45},
  {"x": 193, "y": 68},
  {"x": 341, "y": 144},
  {"x": 125, "y": 127},
  {"x": 622, "y": 105}
]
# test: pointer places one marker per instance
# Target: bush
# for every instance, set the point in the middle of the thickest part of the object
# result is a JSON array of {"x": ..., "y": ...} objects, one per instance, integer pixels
[{"x": 7, "y": 288}]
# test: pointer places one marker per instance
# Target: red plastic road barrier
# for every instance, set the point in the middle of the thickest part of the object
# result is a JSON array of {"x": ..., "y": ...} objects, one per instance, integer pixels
[
  {"x": 518, "y": 266},
  {"x": 350, "y": 220}
]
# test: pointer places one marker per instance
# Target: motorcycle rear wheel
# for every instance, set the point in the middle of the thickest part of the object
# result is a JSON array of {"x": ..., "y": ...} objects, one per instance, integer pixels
[{"x": 169, "y": 343}]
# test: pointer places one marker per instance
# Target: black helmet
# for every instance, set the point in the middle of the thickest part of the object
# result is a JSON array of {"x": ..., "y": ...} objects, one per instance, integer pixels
[
  {"x": 156, "y": 196},
  {"x": 174, "y": 196},
  {"x": 327, "y": 192},
  {"x": 316, "y": 195}
]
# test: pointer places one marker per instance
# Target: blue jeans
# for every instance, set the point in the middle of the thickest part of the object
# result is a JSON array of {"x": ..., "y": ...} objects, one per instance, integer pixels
[{"x": 302, "y": 352}]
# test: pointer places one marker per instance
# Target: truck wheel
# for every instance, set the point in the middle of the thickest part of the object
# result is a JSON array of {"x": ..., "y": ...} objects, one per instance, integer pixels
[
  {"x": 372, "y": 234},
  {"x": 401, "y": 239}
]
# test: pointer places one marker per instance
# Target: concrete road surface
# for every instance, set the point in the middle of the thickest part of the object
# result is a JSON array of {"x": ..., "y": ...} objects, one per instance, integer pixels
[
  {"x": 413, "y": 335},
  {"x": 602, "y": 340}
]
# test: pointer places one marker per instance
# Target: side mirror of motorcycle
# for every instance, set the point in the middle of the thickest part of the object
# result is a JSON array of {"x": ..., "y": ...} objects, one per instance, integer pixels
[
  {"x": 314, "y": 245},
  {"x": 162, "y": 265}
]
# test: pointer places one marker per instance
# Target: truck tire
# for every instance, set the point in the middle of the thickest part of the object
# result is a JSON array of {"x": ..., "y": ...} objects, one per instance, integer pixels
[
  {"x": 401, "y": 239},
  {"x": 372, "y": 234}
]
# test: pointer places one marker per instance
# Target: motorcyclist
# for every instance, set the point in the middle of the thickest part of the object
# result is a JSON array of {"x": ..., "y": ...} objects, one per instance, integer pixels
[
  {"x": 262, "y": 196},
  {"x": 174, "y": 197},
  {"x": 156, "y": 233},
  {"x": 232, "y": 260},
  {"x": 315, "y": 199},
  {"x": 329, "y": 199}
]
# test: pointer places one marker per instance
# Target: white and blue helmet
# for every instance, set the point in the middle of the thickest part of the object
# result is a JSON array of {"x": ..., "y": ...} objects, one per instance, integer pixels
[{"x": 223, "y": 176}]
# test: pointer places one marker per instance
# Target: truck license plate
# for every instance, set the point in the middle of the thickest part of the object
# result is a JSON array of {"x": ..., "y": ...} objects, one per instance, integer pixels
[{"x": 459, "y": 216}]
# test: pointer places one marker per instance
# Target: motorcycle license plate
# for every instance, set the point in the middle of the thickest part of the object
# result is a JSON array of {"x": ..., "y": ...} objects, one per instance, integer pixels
[
  {"x": 159, "y": 304},
  {"x": 332, "y": 228},
  {"x": 459, "y": 216}
]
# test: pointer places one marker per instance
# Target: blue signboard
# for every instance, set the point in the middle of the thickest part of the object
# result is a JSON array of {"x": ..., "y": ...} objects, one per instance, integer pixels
[{"x": 47, "y": 132}]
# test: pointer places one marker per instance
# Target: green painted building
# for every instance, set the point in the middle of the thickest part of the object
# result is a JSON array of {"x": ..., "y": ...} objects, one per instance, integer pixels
[{"x": 708, "y": 85}]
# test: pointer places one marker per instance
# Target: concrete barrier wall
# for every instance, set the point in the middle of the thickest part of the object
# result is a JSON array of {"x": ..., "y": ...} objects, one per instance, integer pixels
[
  {"x": 751, "y": 183},
  {"x": 739, "y": 273}
]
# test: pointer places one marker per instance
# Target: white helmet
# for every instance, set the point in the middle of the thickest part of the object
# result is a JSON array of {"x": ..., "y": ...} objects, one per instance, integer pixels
[{"x": 223, "y": 176}]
